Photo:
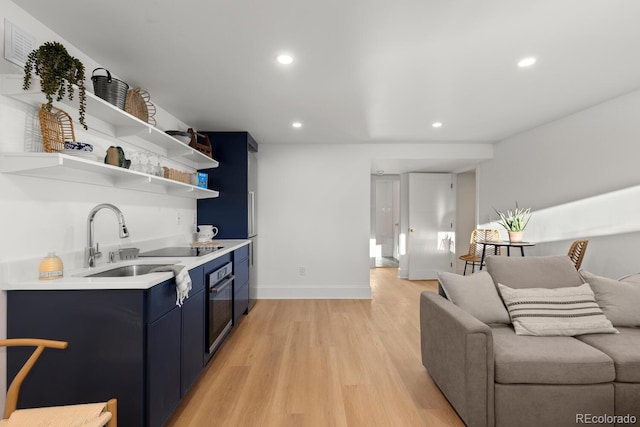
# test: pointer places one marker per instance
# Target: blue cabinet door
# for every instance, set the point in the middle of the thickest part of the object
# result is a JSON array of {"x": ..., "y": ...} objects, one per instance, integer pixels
[
  {"x": 163, "y": 367},
  {"x": 240, "y": 302},
  {"x": 193, "y": 338},
  {"x": 241, "y": 283}
]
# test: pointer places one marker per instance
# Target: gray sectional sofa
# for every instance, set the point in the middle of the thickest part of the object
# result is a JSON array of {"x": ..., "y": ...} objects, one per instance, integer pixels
[{"x": 493, "y": 377}]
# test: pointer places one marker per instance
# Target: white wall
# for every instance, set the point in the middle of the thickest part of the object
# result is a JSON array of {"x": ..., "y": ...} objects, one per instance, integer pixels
[
  {"x": 315, "y": 213},
  {"x": 580, "y": 176},
  {"x": 40, "y": 215}
]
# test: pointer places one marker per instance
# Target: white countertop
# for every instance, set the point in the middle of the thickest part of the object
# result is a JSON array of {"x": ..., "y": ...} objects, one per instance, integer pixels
[{"x": 74, "y": 280}]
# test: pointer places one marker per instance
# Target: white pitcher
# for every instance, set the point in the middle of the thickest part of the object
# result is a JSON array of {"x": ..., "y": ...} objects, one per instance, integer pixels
[{"x": 206, "y": 233}]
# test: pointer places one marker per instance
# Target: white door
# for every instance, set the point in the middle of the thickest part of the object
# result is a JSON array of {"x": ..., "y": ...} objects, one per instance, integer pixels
[
  {"x": 396, "y": 218},
  {"x": 384, "y": 217},
  {"x": 431, "y": 235}
]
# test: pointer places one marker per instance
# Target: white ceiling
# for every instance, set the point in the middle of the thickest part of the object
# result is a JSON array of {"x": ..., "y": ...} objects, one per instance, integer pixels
[{"x": 364, "y": 70}]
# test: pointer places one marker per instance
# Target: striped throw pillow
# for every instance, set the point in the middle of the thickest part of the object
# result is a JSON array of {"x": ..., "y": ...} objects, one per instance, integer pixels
[{"x": 550, "y": 312}]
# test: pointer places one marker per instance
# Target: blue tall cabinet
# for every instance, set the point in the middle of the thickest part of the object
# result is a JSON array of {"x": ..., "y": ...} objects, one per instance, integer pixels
[
  {"x": 231, "y": 211},
  {"x": 234, "y": 211}
]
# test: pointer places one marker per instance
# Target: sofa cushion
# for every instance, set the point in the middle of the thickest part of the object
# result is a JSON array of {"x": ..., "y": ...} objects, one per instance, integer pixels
[
  {"x": 547, "y": 360},
  {"x": 533, "y": 272},
  {"x": 619, "y": 300},
  {"x": 623, "y": 348},
  {"x": 561, "y": 311},
  {"x": 475, "y": 294},
  {"x": 632, "y": 278}
]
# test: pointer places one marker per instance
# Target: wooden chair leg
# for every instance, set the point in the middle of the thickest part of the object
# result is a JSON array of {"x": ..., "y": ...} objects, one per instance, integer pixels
[{"x": 112, "y": 406}]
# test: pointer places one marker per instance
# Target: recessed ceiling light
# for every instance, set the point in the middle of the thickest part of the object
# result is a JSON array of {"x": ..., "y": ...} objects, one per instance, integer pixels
[
  {"x": 526, "y": 62},
  {"x": 297, "y": 125},
  {"x": 285, "y": 59},
  {"x": 436, "y": 125}
]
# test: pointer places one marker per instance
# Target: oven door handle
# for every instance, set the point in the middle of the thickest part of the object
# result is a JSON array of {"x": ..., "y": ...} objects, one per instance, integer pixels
[{"x": 218, "y": 288}]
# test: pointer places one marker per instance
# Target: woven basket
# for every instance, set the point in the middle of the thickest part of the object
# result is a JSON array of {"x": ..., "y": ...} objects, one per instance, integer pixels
[
  {"x": 200, "y": 142},
  {"x": 56, "y": 127},
  {"x": 177, "y": 175},
  {"x": 112, "y": 90},
  {"x": 139, "y": 105}
]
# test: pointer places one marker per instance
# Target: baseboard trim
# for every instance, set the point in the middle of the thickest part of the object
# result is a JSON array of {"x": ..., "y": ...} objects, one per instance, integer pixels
[{"x": 325, "y": 292}]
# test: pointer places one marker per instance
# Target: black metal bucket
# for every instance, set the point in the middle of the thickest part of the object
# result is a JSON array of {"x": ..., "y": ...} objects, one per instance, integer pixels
[{"x": 112, "y": 90}]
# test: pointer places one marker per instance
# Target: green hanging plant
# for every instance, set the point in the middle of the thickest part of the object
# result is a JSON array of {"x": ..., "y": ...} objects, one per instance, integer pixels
[{"x": 58, "y": 72}]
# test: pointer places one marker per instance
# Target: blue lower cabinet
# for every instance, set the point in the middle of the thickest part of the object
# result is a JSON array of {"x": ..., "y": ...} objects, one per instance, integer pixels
[
  {"x": 163, "y": 366},
  {"x": 193, "y": 340},
  {"x": 241, "y": 283},
  {"x": 107, "y": 354},
  {"x": 240, "y": 302},
  {"x": 133, "y": 345}
]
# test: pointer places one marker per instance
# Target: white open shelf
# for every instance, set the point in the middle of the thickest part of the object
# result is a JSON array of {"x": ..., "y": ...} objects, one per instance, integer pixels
[
  {"x": 124, "y": 124},
  {"x": 64, "y": 167}
]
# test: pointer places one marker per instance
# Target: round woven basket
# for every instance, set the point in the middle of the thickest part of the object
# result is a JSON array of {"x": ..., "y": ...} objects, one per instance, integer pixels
[{"x": 138, "y": 104}]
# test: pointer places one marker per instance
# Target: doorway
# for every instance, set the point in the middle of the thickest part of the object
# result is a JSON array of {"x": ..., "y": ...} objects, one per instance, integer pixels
[
  {"x": 466, "y": 214},
  {"x": 428, "y": 225},
  {"x": 385, "y": 221}
]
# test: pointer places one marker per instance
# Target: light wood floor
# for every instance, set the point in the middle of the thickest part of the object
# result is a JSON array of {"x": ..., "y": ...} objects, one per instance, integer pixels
[{"x": 323, "y": 363}]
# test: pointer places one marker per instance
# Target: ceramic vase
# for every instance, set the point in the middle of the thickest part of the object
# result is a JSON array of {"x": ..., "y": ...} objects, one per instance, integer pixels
[{"x": 516, "y": 236}]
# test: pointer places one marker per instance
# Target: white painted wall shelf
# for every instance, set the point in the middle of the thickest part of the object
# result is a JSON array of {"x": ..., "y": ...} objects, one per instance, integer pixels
[
  {"x": 64, "y": 167},
  {"x": 123, "y": 123}
]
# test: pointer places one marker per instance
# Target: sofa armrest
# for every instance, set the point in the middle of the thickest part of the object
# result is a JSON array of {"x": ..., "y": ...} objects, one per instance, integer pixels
[{"x": 457, "y": 350}]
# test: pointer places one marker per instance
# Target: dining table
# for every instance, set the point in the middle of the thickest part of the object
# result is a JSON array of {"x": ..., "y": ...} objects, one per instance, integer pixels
[{"x": 501, "y": 243}]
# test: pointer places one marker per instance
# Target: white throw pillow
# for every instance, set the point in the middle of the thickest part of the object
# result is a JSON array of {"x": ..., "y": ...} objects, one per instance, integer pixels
[
  {"x": 619, "y": 300},
  {"x": 476, "y": 294},
  {"x": 566, "y": 311}
]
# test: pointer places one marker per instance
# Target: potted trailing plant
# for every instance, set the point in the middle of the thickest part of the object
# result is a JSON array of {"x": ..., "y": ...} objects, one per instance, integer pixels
[
  {"x": 58, "y": 72},
  {"x": 514, "y": 221}
]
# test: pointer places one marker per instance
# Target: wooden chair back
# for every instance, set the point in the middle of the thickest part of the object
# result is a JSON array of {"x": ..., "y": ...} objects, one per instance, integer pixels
[
  {"x": 479, "y": 235},
  {"x": 14, "y": 388},
  {"x": 474, "y": 256},
  {"x": 576, "y": 252}
]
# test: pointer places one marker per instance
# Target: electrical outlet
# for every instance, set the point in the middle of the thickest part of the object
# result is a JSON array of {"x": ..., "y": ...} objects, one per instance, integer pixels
[
  {"x": 302, "y": 271},
  {"x": 179, "y": 218}
]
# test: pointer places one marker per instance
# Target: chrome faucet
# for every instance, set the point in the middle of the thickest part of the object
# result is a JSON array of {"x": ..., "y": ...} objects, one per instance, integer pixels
[{"x": 91, "y": 254}]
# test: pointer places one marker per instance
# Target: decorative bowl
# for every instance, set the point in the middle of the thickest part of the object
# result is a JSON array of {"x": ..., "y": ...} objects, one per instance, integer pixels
[
  {"x": 80, "y": 146},
  {"x": 183, "y": 137}
]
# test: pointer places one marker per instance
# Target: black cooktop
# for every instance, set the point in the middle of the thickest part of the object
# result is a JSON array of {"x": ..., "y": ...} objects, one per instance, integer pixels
[{"x": 182, "y": 251}]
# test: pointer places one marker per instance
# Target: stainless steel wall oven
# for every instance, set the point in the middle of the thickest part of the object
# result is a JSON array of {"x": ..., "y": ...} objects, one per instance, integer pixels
[{"x": 219, "y": 306}]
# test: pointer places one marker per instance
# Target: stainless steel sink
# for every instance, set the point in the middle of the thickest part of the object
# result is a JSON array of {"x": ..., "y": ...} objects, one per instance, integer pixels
[{"x": 128, "y": 270}]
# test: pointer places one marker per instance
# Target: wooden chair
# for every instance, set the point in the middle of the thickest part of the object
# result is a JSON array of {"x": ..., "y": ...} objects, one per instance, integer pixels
[
  {"x": 576, "y": 252},
  {"x": 87, "y": 415},
  {"x": 474, "y": 256}
]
